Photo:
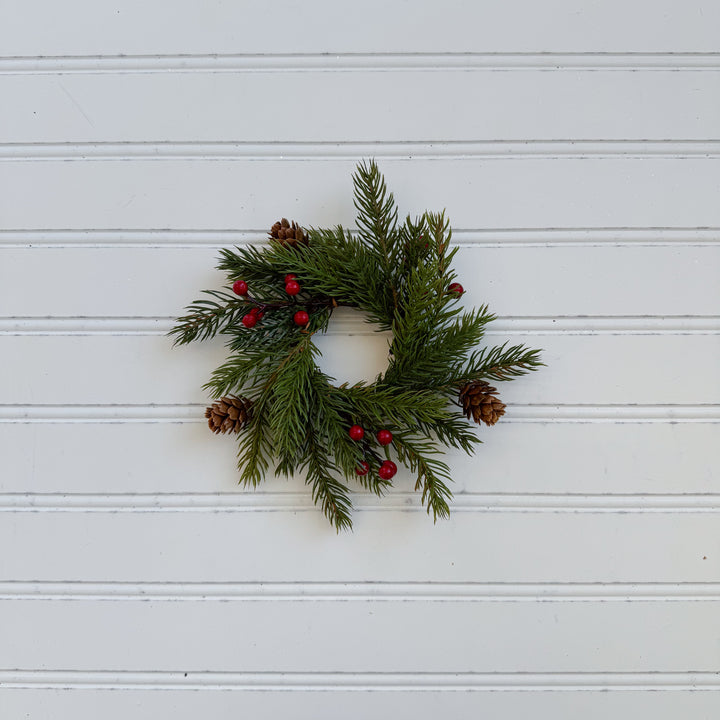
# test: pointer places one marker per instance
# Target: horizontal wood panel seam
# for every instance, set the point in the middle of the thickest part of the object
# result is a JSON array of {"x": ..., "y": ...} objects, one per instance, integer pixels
[
  {"x": 151, "y": 238},
  {"x": 516, "y": 325},
  {"x": 397, "y": 501},
  {"x": 192, "y": 413},
  {"x": 351, "y": 149},
  {"x": 345, "y": 62},
  {"x": 419, "y": 681},
  {"x": 363, "y": 591}
]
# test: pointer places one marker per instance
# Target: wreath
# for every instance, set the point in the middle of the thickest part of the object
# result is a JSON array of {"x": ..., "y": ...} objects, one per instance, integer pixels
[{"x": 288, "y": 412}]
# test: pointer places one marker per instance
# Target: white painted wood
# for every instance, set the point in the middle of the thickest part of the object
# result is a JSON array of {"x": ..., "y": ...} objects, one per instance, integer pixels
[
  {"x": 417, "y": 634},
  {"x": 617, "y": 191},
  {"x": 308, "y": 704},
  {"x": 646, "y": 458},
  {"x": 575, "y": 148},
  {"x": 605, "y": 280},
  {"x": 270, "y": 543},
  {"x": 253, "y": 107},
  {"x": 83, "y": 27}
]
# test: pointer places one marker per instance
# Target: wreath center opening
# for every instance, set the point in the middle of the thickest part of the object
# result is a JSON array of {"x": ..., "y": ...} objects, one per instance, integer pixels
[{"x": 352, "y": 349}]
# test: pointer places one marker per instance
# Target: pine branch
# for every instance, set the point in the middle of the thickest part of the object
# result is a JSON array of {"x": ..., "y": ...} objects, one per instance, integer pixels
[
  {"x": 501, "y": 363},
  {"x": 293, "y": 404},
  {"x": 255, "y": 447},
  {"x": 389, "y": 406},
  {"x": 464, "y": 334},
  {"x": 377, "y": 218},
  {"x": 330, "y": 493},
  {"x": 249, "y": 263},
  {"x": 423, "y": 357},
  {"x": 240, "y": 372},
  {"x": 452, "y": 429},
  {"x": 413, "y": 239},
  {"x": 431, "y": 473},
  {"x": 207, "y": 318},
  {"x": 428, "y": 313},
  {"x": 441, "y": 234},
  {"x": 377, "y": 214}
]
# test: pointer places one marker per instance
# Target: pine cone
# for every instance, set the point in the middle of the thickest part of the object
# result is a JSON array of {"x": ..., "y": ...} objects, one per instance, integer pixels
[
  {"x": 288, "y": 234},
  {"x": 229, "y": 414},
  {"x": 479, "y": 401}
]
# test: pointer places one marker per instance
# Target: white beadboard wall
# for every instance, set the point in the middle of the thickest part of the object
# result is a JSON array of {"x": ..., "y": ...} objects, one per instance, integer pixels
[{"x": 575, "y": 146}]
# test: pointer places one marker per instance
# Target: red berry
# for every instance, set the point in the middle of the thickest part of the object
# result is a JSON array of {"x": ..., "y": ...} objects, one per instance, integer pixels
[
  {"x": 456, "y": 288},
  {"x": 289, "y": 277},
  {"x": 356, "y": 433},
  {"x": 301, "y": 318},
  {"x": 362, "y": 469},
  {"x": 259, "y": 316},
  {"x": 254, "y": 311},
  {"x": 240, "y": 287},
  {"x": 387, "y": 470},
  {"x": 384, "y": 437},
  {"x": 249, "y": 320},
  {"x": 292, "y": 287}
]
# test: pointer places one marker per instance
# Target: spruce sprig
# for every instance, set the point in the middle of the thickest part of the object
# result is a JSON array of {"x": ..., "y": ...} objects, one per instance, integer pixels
[
  {"x": 207, "y": 318},
  {"x": 400, "y": 274}
]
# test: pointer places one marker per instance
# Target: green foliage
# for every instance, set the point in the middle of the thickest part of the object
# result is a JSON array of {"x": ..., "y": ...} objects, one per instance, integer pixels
[
  {"x": 207, "y": 318},
  {"x": 399, "y": 274}
]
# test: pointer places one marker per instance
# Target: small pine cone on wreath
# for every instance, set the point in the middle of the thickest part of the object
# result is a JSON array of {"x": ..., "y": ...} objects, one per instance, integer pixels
[
  {"x": 229, "y": 414},
  {"x": 287, "y": 233},
  {"x": 479, "y": 400}
]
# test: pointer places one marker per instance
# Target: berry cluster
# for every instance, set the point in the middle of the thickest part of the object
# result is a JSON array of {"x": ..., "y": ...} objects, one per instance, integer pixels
[
  {"x": 252, "y": 318},
  {"x": 292, "y": 288},
  {"x": 388, "y": 468}
]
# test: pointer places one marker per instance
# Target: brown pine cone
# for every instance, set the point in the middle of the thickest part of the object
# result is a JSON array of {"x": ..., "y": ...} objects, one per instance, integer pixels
[
  {"x": 479, "y": 401},
  {"x": 229, "y": 414},
  {"x": 288, "y": 233}
]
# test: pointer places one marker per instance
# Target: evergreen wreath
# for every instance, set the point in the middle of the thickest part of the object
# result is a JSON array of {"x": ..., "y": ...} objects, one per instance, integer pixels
[{"x": 289, "y": 411}]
